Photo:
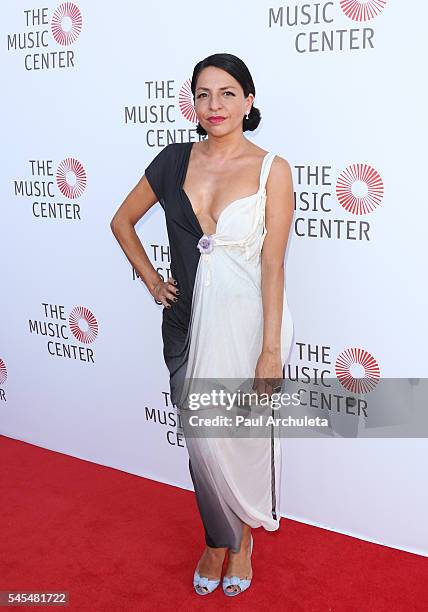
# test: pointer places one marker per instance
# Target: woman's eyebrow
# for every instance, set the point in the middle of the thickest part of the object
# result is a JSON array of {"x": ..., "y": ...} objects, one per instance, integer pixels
[{"x": 208, "y": 89}]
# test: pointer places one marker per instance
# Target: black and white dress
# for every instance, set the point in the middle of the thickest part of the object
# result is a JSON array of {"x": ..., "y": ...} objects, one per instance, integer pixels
[{"x": 215, "y": 330}]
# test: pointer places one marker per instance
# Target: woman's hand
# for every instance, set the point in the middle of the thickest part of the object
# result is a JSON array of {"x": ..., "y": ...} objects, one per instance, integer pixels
[
  {"x": 166, "y": 290},
  {"x": 268, "y": 374}
]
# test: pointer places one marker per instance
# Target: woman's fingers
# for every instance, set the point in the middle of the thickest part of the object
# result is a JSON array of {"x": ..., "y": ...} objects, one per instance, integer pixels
[
  {"x": 168, "y": 292},
  {"x": 171, "y": 291},
  {"x": 267, "y": 386},
  {"x": 166, "y": 297},
  {"x": 259, "y": 386},
  {"x": 172, "y": 285}
]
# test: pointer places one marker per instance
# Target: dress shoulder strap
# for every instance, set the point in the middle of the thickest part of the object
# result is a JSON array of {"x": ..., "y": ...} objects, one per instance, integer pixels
[{"x": 267, "y": 162}]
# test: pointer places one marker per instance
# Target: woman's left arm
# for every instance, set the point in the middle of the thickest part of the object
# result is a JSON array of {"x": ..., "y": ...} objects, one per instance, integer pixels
[{"x": 279, "y": 215}]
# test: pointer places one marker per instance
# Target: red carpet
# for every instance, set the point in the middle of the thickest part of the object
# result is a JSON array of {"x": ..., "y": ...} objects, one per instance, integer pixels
[{"x": 119, "y": 542}]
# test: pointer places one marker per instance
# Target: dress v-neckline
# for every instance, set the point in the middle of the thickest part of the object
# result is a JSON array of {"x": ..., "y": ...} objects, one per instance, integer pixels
[{"x": 183, "y": 180}]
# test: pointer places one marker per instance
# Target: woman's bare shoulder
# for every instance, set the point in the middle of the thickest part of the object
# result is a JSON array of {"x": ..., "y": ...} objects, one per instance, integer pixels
[
  {"x": 280, "y": 175},
  {"x": 281, "y": 164}
]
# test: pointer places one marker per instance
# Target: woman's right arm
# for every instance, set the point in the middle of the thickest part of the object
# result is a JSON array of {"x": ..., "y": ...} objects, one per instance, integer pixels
[{"x": 135, "y": 205}]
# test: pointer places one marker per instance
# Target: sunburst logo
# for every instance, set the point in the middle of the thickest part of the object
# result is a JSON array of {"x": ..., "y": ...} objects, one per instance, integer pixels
[
  {"x": 357, "y": 370},
  {"x": 359, "y": 189},
  {"x": 185, "y": 102},
  {"x": 362, "y": 10},
  {"x": 66, "y": 23},
  {"x": 3, "y": 372},
  {"x": 83, "y": 324},
  {"x": 71, "y": 178}
]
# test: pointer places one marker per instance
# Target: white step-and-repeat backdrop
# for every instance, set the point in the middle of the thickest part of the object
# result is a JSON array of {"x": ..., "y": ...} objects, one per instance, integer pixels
[{"x": 91, "y": 92}]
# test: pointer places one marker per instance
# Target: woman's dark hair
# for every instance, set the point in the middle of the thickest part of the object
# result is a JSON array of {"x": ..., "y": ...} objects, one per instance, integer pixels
[{"x": 235, "y": 67}]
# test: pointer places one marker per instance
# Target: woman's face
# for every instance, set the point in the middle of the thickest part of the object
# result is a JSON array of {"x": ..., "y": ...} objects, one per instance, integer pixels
[{"x": 219, "y": 94}]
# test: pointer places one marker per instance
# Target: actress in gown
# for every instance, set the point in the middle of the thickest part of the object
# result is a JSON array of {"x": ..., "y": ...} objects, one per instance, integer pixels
[{"x": 228, "y": 207}]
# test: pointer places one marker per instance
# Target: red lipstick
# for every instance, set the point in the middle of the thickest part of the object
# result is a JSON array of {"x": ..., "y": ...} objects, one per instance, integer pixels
[{"x": 216, "y": 119}]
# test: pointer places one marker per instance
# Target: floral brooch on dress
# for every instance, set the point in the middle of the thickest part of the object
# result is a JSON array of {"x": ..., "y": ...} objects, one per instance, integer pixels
[{"x": 206, "y": 243}]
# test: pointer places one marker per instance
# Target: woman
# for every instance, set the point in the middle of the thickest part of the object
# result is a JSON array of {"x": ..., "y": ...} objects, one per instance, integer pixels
[{"x": 225, "y": 311}]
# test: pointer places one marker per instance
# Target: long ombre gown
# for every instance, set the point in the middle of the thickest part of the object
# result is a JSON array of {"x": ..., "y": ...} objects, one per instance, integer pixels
[{"x": 214, "y": 331}]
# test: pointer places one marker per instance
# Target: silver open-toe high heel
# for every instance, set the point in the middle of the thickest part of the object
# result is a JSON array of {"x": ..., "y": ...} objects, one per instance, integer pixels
[
  {"x": 204, "y": 585},
  {"x": 242, "y": 583}
]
